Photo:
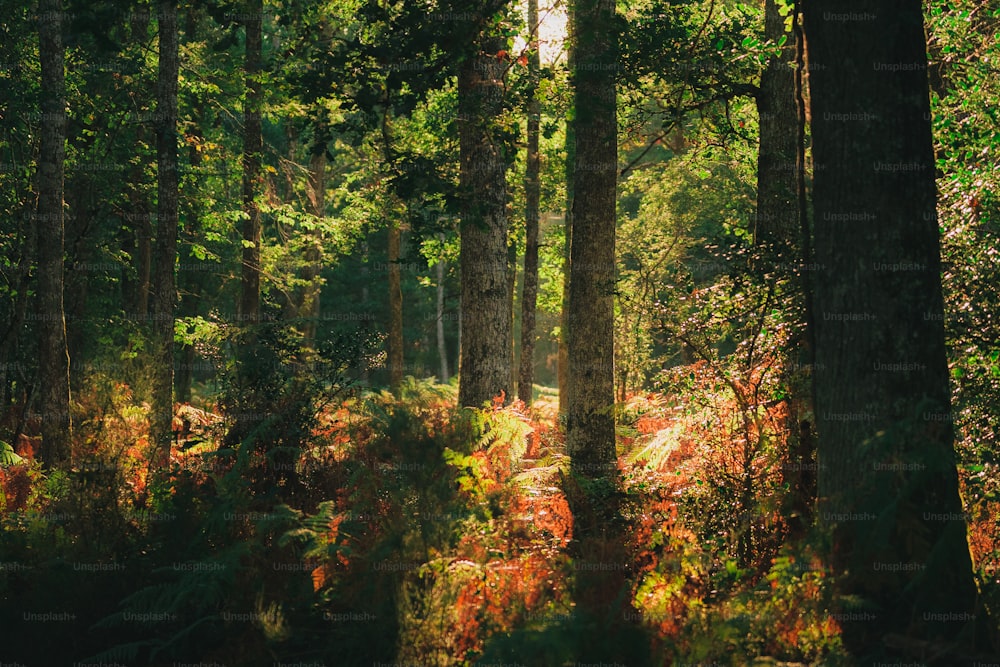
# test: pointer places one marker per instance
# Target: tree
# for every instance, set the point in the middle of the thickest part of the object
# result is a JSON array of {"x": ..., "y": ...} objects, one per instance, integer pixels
[
  {"x": 778, "y": 238},
  {"x": 532, "y": 194},
  {"x": 570, "y": 142},
  {"x": 252, "y": 146},
  {"x": 777, "y": 223},
  {"x": 53, "y": 358},
  {"x": 395, "y": 342},
  {"x": 164, "y": 281},
  {"x": 888, "y": 486},
  {"x": 590, "y": 431},
  {"x": 485, "y": 366},
  {"x": 310, "y": 303}
]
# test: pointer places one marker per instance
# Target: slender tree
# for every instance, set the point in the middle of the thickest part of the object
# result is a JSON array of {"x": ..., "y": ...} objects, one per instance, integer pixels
[
  {"x": 395, "y": 342},
  {"x": 442, "y": 346},
  {"x": 777, "y": 224},
  {"x": 485, "y": 366},
  {"x": 562, "y": 368},
  {"x": 310, "y": 305},
  {"x": 887, "y": 478},
  {"x": 590, "y": 432},
  {"x": 53, "y": 358},
  {"x": 164, "y": 279},
  {"x": 252, "y": 146},
  {"x": 532, "y": 193},
  {"x": 778, "y": 237}
]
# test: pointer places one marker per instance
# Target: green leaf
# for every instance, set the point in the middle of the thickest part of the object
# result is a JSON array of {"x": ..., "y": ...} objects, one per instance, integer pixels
[{"x": 8, "y": 457}]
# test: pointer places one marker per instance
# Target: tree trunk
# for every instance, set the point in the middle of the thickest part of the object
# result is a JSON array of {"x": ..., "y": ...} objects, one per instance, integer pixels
[
  {"x": 441, "y": 343},
  {"x": 191, "y": 287},
  {"x": 590, "y": 432},
  {"x": 562, "y": 368},
  {"x": 887, "y": 479},
  {"x": 486, "y": 310},
  {"x": 512, "y": 344},
  {"x": 777, "y": 225},
  {"x": 137, "y": 239},
  {"x": 310, "y": 306},
  {"x": 53, "y": 358},
  {"x": 252, "y": 146},
  {"x": 164, "y": 281},
  {"x": 532, "y": 193},
  {"x": 778, "y": 237},
  {"x": 395, "y": 342}
]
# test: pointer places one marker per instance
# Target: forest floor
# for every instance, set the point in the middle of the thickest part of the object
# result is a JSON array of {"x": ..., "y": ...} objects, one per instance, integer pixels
[{"x": 406, "y": 531}]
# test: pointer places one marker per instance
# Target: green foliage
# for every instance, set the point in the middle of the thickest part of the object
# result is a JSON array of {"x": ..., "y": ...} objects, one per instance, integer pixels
[{"x": 8, "y": 457}]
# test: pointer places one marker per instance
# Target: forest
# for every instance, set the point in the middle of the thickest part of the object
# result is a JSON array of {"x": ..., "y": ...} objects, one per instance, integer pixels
[{"x": 552, "y": 332}]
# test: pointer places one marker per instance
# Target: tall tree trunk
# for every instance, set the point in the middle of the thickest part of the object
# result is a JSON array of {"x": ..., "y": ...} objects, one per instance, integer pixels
[
  {"x": 252, "y": 146},
  {"x": 590, "y": 433},
  {"x": 310, "y": 306},
  {"x": 53, "y": 358},
  {"x": 164, "y": 280},
  {"x": 601, "y": 594},
  {"x": 887, "y": 478},
  {"x": 562, "y": 367},
  {"x": 191, "y": 287},
  {"x": 777, "y": 235},
  {"x": 485, "y": 370},
  {"x": 442, "y": 346},
  {"x": 137, "y": 233},
  {"x": 777, "y": 228},
  {"x": 532, "y": 194},
  {"x": 512, "y": 296},
  {"x": 395, "y": 343}
]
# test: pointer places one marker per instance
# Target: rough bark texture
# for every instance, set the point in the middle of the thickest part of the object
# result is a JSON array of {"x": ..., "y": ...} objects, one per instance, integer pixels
[
  {"x": 252, "y": 146},
  {"x": 599, "y": 548},
  {"x": 778, "y": 236},
  {"x": 164, "y": 280},
  {"x": 532, "y": 194},
  {"x": 590, "y": 433},
  {"x": 777, "y": 225},
  {"x": 887, "y": 480},
  {"x": 485, "y": 366},
  {"x": 53, "y": 358}
]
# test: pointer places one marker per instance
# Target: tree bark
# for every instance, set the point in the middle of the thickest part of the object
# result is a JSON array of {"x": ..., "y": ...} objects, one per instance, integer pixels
[
  {"x": 252, "y": 146},
  {"x": 532, "y": 194},
  {"x": 164, "y": 280},
  {"x": 887, "y": 478},
  {"x": 590, "y": 432},
  {"x": 777, "y": 224},
  {"x": 562, "y": 368},
  {"x": 485, "y": 370},
  {"x": 778, "y": 238},
  {"x": 53, "y": 357}
]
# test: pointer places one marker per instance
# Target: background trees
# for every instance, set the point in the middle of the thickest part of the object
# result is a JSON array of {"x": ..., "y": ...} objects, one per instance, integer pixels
[{"x": 314, "y": 202}]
